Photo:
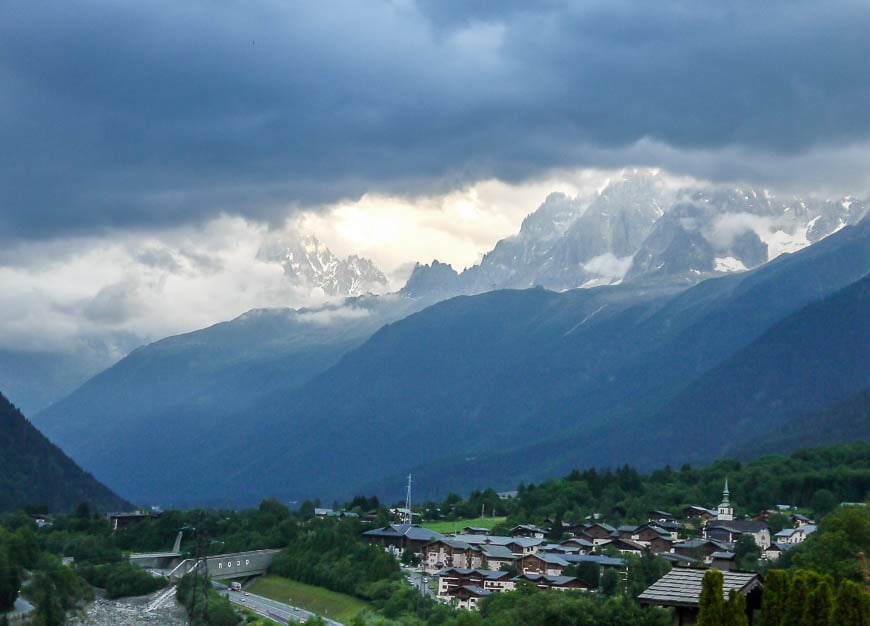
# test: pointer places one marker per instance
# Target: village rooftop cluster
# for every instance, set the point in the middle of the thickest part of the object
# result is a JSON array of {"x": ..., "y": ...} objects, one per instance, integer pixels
[{"x": 472, "y": 564}]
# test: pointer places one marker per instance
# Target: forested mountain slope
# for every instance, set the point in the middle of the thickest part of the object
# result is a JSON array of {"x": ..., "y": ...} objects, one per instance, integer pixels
[{"x": 33, "y": 471}]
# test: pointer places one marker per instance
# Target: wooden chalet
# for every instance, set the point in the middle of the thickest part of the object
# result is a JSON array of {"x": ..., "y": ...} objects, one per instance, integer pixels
[
  {"x": 400, "y": 537},
  {"x": 542, "y": 563},
  {"x": 681, "y": 588},
  {"x": 468, "y": 597}
]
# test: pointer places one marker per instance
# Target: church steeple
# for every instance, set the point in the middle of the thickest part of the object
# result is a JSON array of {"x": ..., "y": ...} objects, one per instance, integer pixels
[{"x": 725, "y": 511}]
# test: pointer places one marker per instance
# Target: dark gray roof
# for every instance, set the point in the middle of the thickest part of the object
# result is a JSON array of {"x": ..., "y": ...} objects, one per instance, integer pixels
[
  {"x": 593, "y": 558},
  {"x": 499, "y": 540},
  {"x": 677, "y": 558},
  {"x": 559, "y": 549},
  {"x": 417, "y": 533},
  {"x": 410, "y": 531},
  {"x": 454, "y": 543},
  {"x": 553, "y": 580},
  {"x": 699, "y": 509},
  {"x": 549, "y": 558},
  {"x": 603, "y": 525},
  {"x": 740, "y": 526},
  {"x": 496, "y": 552},
  {"x": 580, "y": 541},
  {"x": 682, "y": 587},
  {"x": 697, "y": 543},
  {"x": 483, "y": 573}
]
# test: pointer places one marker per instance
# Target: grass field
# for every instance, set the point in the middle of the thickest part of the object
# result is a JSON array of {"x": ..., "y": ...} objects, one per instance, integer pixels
[
  {"x": 330, "y": 604},
  {"x": 448, "y": 527}
]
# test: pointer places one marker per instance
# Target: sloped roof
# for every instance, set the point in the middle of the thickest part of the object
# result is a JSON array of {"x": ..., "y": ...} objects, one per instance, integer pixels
[
  {"x": 549, "y": 558},
  {"x": 411, "y": 531},
  {"x": 558, "y": 581},
  {"x": 476, "y": 591},
  {"x": 740, "y": 526},
  {"x": 483, "y": 573},
  {"x": 691, "y": 544},
  {"x": 453, "y": 543},
  {"x": 500, "y": 540},
  {"x": 594, "y": 558},
  {"x": 603, "y": 525},
  {"x": 496, "y": 552},
  {"x": 673, "y": 557},
  {"x": 682, "y": 587}
]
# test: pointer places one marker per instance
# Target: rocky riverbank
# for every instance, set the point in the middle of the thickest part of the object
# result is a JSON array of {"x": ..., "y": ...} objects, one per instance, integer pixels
[{"x": 128, "y": 612}]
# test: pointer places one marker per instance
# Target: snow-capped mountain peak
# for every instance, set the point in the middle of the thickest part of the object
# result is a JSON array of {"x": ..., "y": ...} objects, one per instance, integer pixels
[{"x": 308, "y": 261}]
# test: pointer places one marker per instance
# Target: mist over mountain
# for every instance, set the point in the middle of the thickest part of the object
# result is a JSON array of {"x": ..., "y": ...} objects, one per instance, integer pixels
[
  {"x": 44, "y": 374},
  {"x": 641, "y": 227}
]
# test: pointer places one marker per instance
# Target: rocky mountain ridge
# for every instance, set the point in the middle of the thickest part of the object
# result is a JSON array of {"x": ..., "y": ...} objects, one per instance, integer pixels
[
  {"x": 308, "y": 261},
  {"x": 642, "y": 227}
]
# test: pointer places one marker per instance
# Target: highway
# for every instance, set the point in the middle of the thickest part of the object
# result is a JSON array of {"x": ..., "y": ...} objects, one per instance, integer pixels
[{"x": 272, "y": 609}]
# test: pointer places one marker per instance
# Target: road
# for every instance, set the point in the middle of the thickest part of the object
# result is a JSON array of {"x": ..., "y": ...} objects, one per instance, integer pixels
[
  {"x": 419, "y": 581},
  {"x": 272, "y": 609}
]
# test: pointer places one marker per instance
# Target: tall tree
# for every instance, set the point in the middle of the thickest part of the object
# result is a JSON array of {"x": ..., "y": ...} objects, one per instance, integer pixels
[
  {"x": 735, "y": 610},
  {"x": 852, "y": 605},
  {"x": 9, "y": 581},
  {"x": 610, "y": 582},
  {"x": 776, "y": 593},
  {"x": 711, "y": 603},
  {"x": 820, "y": 602},
  {"x": 796, "y": 599}
]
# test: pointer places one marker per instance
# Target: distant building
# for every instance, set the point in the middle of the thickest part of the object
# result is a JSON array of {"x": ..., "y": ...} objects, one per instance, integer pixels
[
  {"x": 401, "y": 537},
  {"x": 121, "y": 520},
  {"x": 730, "y": 532},
  {"x": 453, "y": 578},
  {"x": 402, "y": 513},
  {"x": 792, "y": 536},
  {"x": 528, "y": 530},
  {"x": 726, "y": 529},
  {"x": 546, "y": 581}
]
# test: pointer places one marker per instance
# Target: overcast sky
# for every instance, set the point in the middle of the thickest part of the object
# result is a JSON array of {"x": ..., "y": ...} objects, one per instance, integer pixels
[{"x": 149, "y": 147}]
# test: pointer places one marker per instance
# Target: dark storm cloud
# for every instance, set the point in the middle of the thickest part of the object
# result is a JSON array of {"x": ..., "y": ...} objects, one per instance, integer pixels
[{"x": 116, "y": 114}]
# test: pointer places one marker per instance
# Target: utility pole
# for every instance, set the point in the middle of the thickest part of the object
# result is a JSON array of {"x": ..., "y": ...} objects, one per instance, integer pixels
[
  {"x": 200, "y": 569},
  {"x": 408, "y": 517}
]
